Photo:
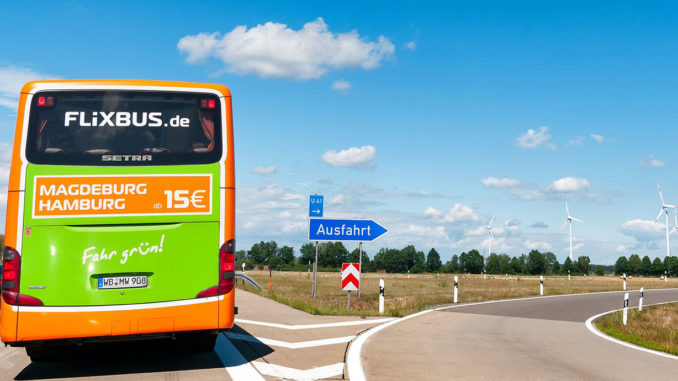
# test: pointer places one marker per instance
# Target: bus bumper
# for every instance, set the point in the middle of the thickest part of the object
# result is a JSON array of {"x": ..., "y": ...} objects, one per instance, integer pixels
[{"x": 55, "y": 323}]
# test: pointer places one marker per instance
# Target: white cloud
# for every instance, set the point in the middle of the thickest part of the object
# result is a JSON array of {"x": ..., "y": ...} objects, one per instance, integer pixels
[
  {"x": 412, "y": 45},
  {"x": 270, "y": 211},
  {"x": 597, "y": 138},
  {"x": 338, "y": 199},
  {"x": 534, "y": 139},
  {"x": 351, "y": 157},
  {"x": 433, "y": 212},
  {"x": 5, "y": 159},
  {"x": 265, "y": 171},
  {"x": 12, "y": 79},
  {"x": 569, "y": 185},
  {"x": 274, "y": 50},
  {"x": 563, "y": 188},
  {"x": 430, "y": 233},
  {"x": 341, "y": 86},
  {"x": 458, "y": 214},
  {"x": 501, "y": 183},
  {"x": 539, "y": 225},
  {"x": 512, "y": 222},
  {"x": 651, "y": 162},
  {"x": 364, "y": 190},
  {"x": 269, "y": 197},
  {"x": 578, "y": 141},
  {"x": 644, "y": 231},
  {"x": 537, "y": 245},
  {"x": 622, "y": 249}
]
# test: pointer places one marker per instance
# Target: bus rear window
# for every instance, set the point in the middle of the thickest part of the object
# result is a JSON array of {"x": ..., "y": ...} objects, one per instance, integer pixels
[{"x": 124, "y": 128}]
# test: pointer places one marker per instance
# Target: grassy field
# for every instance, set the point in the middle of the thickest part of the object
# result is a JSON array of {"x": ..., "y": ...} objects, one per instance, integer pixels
[
  {"x": 656, "y": 327},
  {"x": 404, "y": 296}
]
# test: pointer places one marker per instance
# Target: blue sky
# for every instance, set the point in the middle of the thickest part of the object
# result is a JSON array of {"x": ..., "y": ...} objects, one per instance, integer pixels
[{"x": 427, "y": 117}]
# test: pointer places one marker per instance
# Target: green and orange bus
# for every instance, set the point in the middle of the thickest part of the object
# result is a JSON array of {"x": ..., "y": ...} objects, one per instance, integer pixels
[{"x": 120, "y": 214}]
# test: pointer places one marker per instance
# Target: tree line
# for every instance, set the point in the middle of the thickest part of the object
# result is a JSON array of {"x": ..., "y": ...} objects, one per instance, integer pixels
[
  {"x": 634, "y": 265},
  {"x": 408, "y": 259}
]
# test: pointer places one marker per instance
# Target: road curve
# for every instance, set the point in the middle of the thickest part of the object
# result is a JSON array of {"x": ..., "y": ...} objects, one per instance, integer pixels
[{"x": 527, "y": 339}]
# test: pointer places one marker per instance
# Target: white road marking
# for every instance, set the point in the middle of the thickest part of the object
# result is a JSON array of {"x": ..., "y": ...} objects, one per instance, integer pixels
[
  {"x": 299, "y": 374},
  {"x": 289, "y": 345},
  {"x": 593, "y": 329},
  {"x": 237, "y": 367},
  {"x": 313, "y": 326},
  {"x": 354, "y": 364}
]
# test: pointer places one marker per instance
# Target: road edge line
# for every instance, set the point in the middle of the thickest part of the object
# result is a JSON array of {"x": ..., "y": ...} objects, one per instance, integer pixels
[
  {"x": 597, "y": 332},
  {"x": 354, "y": 364}
]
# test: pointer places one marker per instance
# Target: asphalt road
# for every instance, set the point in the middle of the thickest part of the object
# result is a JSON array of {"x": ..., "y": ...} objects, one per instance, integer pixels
[
  {"x": 531, "y": 339},
  {"x": 539, "y": 338},
  {"x": 269, "y": 341}
]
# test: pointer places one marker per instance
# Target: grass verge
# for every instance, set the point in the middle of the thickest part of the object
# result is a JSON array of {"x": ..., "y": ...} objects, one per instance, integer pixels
[
  {"x": 656, "y": 327},
  {"x": 406, "y": 295}
]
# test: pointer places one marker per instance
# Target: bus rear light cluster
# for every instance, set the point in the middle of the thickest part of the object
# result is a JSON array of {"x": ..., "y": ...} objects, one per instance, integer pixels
[
  {"x": 46, "y": 101},
  {"x": 226, "y": 271},
  {"x": 11, "y": 269},
  {"x": 208, "y": 103}
]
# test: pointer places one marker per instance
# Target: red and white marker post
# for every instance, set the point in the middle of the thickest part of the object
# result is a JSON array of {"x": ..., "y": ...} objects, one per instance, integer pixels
[{"x": 350, "y": 279}]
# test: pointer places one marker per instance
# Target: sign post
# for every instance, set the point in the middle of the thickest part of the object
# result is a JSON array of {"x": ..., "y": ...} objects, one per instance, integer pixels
[
  {"x": 315, "y": 268},
  {"x": 327, "y": 229},
  {"x": 315, "y": 209}
]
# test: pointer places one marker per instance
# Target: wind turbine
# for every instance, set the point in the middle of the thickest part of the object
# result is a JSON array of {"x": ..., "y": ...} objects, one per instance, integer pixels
[
  {"x": 675, "y": 217},
  {"x": 569, "y": 219},
  {"x": 665, "y": 209},
  {"x": 489, "y": 239}
]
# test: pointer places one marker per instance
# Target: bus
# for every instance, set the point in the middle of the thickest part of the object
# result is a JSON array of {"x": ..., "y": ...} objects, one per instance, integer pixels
[{"x": 120, "y": 215}]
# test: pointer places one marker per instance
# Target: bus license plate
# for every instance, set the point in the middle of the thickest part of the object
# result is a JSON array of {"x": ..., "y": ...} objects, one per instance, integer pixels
[{"x": 123, "y": 282}]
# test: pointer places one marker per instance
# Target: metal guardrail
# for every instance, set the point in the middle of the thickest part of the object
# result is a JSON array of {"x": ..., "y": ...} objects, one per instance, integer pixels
[{"x": 248, "y": 280}]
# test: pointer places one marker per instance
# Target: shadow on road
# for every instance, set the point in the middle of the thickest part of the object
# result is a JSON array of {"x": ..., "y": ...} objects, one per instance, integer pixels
[
  {"x": 157, "y": 356},
  {"x": 251, "y": 348}
]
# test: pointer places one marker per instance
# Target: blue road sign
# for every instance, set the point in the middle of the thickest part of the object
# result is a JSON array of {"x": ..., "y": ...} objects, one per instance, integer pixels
[
  {"x": 315, "y": 206},
  {"x": 325, "y": 229}
]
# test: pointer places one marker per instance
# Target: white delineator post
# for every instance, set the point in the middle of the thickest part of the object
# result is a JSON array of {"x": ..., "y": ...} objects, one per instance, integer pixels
[
  {"x": 456, "y": 288},
  {"x": 624, "y": 281},
  {"x": 625, "y": 317},
  {"x": 541, "y": 285},
  {"x": 568, "y": 274},
  {"x": 360, "y": 261},
  {"x": 381, "y": 296},
  {"x": 666, "y": 276},
  {"x": 640, "y": 301}
]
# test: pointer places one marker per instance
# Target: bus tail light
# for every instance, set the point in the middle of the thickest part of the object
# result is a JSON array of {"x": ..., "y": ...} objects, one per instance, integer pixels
[
  {"x": 226, "y": 271},
  {"x": 11, "y": 270},
  {"x": 45, "y": 101},
  {"x": 208, "y": 103}
]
